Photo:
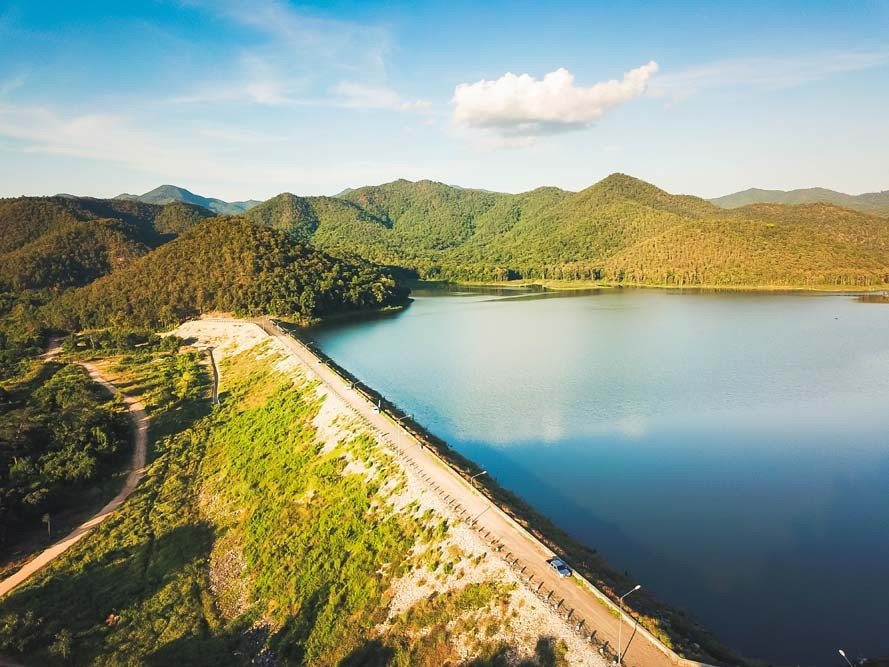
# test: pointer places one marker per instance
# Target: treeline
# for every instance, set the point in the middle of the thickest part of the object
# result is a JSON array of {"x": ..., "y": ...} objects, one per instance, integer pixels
[{"x": 228, "y": 265}]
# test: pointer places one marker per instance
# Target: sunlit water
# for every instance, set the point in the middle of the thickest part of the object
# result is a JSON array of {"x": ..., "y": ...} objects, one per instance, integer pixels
[{"x": 731, "y": 451}]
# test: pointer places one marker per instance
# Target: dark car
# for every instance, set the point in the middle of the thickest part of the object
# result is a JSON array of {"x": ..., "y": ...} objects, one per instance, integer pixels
[{"x": 559, "y": 566}]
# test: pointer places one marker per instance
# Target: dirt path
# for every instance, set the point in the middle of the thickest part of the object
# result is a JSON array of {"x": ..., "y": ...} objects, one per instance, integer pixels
[
  {"x": 137, "y": 469},
  {"x": 513, "y": 542}
]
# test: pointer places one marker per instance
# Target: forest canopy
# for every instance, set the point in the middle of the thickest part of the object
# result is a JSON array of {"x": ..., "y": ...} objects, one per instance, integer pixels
[{"x": 227, "y": 265}]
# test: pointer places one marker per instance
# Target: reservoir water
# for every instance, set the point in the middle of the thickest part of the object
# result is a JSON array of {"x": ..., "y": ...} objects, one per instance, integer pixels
[{"x": 729, "y": 450}]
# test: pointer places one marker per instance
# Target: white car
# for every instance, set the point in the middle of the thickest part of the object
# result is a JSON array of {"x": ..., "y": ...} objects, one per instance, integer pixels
[{"x": 559, "y": 566}]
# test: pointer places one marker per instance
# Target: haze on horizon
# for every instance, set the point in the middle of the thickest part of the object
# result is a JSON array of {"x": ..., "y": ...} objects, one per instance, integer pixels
[{"x": 242, "y": 103}]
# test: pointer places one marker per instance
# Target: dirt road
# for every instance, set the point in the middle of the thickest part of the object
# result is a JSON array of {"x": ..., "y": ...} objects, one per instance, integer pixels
[
  {"x": 140, "y": 420},
  {"x": 579, "y": 599}
]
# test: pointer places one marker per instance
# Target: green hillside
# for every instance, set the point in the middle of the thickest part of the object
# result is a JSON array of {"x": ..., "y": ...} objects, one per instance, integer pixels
[
  {"x": 58, "y": 242},
  {"x": 874, "y": 203},
  {"x": 620, "y": 230},
  {"x": 73, "y": 254},
  {"x": 256, "y": 537},
  {"x": 230, "y": 265},
  {"x": 26, "y": 219}
]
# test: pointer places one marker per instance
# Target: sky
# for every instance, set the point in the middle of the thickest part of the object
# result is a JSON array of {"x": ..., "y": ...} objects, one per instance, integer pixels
[{"x": 242, "y": 100}]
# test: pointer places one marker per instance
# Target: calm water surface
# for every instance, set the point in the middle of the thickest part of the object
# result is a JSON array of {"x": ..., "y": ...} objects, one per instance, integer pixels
[{"x": 731, "y": 451}]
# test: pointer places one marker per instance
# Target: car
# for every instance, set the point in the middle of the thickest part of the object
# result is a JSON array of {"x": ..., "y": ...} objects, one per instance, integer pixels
[{"x": 559, "y": 566}]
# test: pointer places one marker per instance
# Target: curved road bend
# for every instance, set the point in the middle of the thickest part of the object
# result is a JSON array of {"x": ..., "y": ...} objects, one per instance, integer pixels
[
  {"x": 588, "y": 605},
  {"x": 137, "y": 470}
]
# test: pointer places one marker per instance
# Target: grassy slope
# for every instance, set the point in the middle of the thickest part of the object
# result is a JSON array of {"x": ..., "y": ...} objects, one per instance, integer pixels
[{"x": 246, "y": 539}]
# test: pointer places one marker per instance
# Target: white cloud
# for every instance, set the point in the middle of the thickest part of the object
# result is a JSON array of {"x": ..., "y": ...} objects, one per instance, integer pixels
[
  {"x": 189, "y": 155},
  {"x": 296, "y": 58},
  {"x": 765, "y": 73},
  {"x": 522, "y": 106},
  {"x": 254, "y": 81},
  {"x": 364, "y": 96}
]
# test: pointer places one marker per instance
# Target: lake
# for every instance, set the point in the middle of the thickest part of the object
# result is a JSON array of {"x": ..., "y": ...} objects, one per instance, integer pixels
[{"x": 729, "y": 450}]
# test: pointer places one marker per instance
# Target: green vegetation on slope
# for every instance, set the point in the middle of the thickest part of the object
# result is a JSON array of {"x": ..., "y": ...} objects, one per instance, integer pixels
[
  {"x": 26, "y": 219},
  {"x": 50, "y": 243},
  {"x": 60, "y": 433},
  {"x": 620, "y": 230},
  {"x": 71, "y": 255},
  {"x": 229, "y": 265},
  {"x": 249, "y": 540}
]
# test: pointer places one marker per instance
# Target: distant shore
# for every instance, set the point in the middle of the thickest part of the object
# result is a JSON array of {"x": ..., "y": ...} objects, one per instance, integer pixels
[{"x": 574, "y": 285}]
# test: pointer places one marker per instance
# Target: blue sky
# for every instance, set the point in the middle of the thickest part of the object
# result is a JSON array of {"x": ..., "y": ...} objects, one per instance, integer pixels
[{"x": 244, "y": 100}]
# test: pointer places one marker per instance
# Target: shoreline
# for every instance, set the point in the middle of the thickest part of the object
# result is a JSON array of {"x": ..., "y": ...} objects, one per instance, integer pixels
[
  {"x": 601, "y": 579},
  {"x": 578, "y": 285}
]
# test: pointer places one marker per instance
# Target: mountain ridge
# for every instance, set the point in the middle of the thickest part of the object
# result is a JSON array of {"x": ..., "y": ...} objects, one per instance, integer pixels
[
  {"x": 619, "y": 230},
  {"x": 875, "y": 203},
  {"x": 165, "y": 194}
]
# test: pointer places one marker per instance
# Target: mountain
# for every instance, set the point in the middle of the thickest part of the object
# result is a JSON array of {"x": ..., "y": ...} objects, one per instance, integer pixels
[
  {"x": 229, "y": 265},
  {"x": 170, "y": 193},
  {"x": 619, "y": 230},
  {"x": 53, "y": 242},
  {"x": 874, "y": 203}
]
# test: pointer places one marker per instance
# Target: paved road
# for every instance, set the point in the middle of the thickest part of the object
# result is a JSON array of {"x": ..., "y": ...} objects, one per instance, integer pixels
[
  {"x": 140, "y": 419},
  {"x": 514, "y": 542}
]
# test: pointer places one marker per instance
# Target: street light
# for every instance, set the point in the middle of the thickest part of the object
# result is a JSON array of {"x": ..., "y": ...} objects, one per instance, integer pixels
[
  {"x": 843, "y": 653},
  {"x": 620, "y": 626},
  {"x": 400, "y": 428},
  {"x": 472, "y": 479}
]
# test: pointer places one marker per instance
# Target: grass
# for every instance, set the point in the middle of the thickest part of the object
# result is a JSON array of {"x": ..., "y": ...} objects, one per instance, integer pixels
[
  {"x": 250, "y": 539},
  {"x": 134, "y": 582}
]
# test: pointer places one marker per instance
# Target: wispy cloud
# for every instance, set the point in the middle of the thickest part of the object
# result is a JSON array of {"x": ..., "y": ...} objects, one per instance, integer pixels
[
  {"x": 253, "y": 80},
  {"x": 297, "y": 57},
  {"x": 362, "y": 96},
  {"x": 765, "y": 73},
  {"x": 521, "y": 106},
  {"x": 12, "y": 83},
  {"x": 309, "y": 39},
  {"x": 209, "y": 153}
]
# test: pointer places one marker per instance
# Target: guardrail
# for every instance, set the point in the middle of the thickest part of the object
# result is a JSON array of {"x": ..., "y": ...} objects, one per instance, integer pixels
[{"x": 399, "y": 422}]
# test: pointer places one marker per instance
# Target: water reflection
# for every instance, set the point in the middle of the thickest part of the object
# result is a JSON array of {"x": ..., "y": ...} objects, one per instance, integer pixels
[{"x": 719, "y": 446}]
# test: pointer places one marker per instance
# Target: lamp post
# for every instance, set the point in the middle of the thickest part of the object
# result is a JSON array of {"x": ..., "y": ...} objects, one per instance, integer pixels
[
  {"x": 472, "y": 479},
  {"x": 620, "y": 626},
  {"x": 400, "y": 428},
  {"x": 843, "y": 653}
]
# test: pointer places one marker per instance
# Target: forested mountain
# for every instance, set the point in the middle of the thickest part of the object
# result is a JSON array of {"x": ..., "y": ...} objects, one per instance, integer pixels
[
  {"x": 875, "y": 203},
  {"x": 26, "y": 219},
  {"x": 618, "y": 230},
  {"x": 62, "y": 242},
  {"x": 171, "y": 193},
  {"x": 230, "y": 265}
]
